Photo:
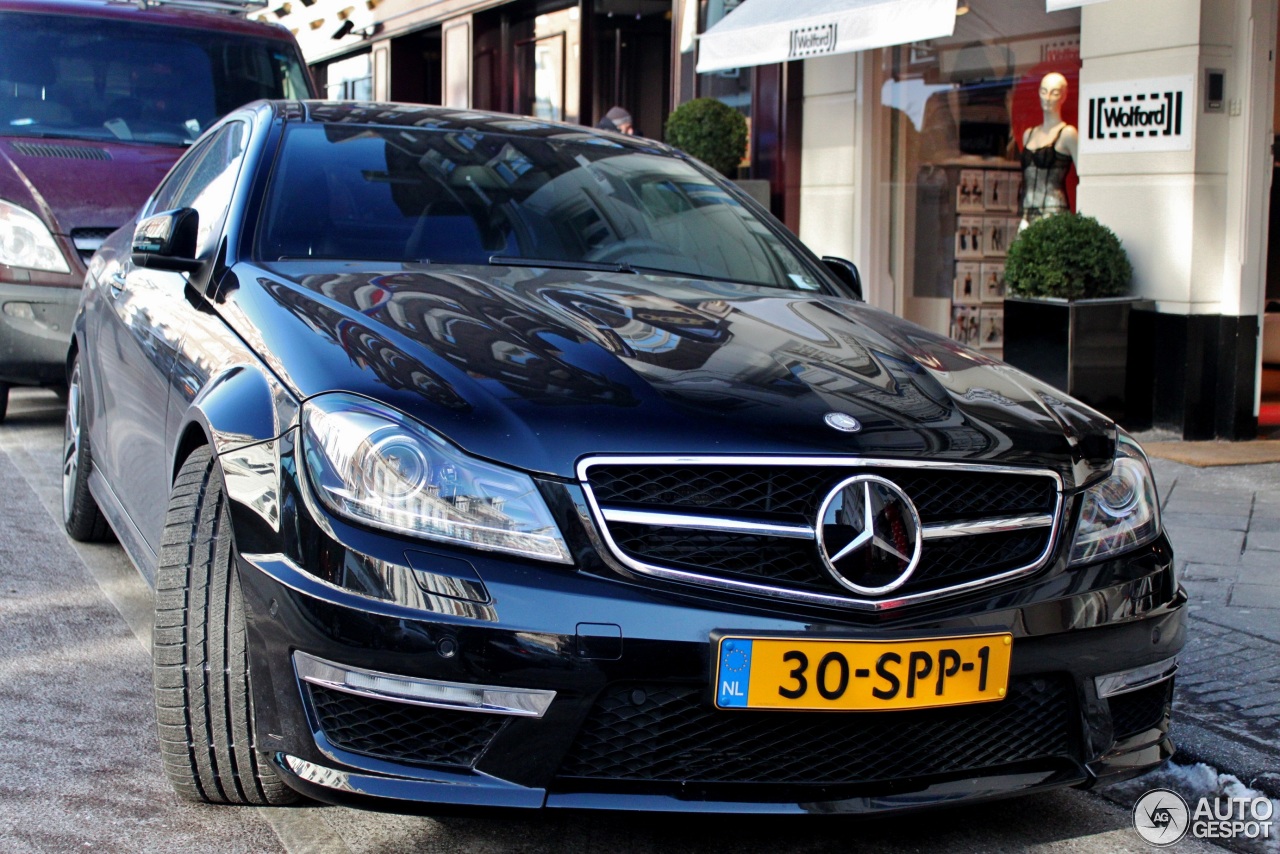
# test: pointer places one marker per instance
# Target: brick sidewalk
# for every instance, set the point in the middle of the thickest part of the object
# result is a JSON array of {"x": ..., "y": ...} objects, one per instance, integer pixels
[{"x": 1225, "y": 526}]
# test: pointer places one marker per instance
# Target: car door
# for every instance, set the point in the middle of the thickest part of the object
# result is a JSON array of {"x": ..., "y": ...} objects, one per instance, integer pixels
[{"x": 150, "y": 313}]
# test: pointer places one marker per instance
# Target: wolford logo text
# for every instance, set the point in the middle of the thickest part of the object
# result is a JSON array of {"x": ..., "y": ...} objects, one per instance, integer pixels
[
  {"x": 809, "y": 41},
  {"x": 1137, "y": 115}
]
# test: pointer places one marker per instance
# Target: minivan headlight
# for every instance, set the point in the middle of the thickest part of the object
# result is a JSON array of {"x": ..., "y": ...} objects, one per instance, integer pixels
[
  {"x": 374, "y": 465},
  {"x": 25, "y": 242},
  {"x": 1120, "y": 513}
]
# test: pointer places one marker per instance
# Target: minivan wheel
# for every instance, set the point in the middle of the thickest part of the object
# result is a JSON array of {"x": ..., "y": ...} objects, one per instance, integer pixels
[
  {"x": 80, "y": 514},
  {"x": 200, "y": 663}
]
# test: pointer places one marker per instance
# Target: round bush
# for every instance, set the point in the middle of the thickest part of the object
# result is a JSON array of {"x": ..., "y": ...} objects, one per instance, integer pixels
[
  {"x": 1069, "y": 256},
  {"x": 711, "y": 131}
]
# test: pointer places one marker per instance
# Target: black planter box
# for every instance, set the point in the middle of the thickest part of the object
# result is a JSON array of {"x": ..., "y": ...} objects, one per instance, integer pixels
[{"x": 1079, "y": 346}]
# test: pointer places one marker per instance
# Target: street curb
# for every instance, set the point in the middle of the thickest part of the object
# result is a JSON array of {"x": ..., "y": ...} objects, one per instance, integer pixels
[{"x": 1198, "y": 743}]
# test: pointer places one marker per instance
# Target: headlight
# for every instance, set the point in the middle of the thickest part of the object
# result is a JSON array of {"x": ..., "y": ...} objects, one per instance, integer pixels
[
  {"x": 25, "y": 242},
  {"x": 376, "y": 466},
  {"x": 1121, "y": 512}
]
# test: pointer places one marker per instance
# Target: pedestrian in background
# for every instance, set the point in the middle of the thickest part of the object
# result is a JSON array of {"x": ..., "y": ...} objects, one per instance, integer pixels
[{"x": 617, "y": 119}]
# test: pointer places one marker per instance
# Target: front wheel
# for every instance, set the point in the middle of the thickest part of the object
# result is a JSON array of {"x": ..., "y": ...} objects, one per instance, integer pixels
[
  {"x": 200, "y": 664},
  {"x": 80, "y": 514}
]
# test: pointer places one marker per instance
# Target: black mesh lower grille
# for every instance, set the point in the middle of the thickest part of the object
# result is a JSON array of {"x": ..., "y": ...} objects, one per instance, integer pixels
[
  {"x": 1140, "y": 710},
  {"x": 665, "y": 733},
  {"x": 399, "y": 732}
]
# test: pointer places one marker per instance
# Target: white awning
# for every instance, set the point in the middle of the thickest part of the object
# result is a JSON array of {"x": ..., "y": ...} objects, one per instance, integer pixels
[{"x": 760, "y": 32}]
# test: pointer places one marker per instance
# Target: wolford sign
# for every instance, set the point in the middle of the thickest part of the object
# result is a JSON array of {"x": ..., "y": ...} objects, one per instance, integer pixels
[
  {"x": 1137, "y": 115},
  {"x": 811, "y": 41}
]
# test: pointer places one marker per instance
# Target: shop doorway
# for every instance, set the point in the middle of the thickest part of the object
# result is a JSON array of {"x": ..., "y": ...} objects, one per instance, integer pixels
[
  {"x": 1269, "y": 387},
  {"x": 632, "y": 59},
  {"x": 416, "y": 67},
  {"x": 528, "y": 61}
]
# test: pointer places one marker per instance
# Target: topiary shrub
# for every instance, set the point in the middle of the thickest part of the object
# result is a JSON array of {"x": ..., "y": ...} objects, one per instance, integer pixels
[
  {"x": 711, "y": 131},
  {"x": 1068, "y": 256}
]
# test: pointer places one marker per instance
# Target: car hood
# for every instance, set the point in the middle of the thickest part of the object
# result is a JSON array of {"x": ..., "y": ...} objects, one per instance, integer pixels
[
  {"x": 537, "y": 368},
  {"x": 75, "y": 184}
]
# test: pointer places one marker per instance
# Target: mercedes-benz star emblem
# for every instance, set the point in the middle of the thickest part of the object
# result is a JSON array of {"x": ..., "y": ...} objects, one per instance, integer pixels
[
  {"x": 842, "y": 422},
  {"x": 869, "y": 535}
]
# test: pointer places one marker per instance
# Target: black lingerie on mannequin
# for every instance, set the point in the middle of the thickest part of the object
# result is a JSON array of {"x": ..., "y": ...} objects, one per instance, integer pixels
[{"x": 1044, "y": 180}]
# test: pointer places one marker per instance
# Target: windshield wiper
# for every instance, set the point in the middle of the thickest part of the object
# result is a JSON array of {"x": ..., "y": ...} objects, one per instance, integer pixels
[
  {"x": 684, "y": 274},
  {"x": 556, "y": 264}
]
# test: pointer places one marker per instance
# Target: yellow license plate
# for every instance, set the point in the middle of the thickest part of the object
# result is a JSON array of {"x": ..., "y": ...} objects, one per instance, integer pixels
[{"x": 860, "y": 675}]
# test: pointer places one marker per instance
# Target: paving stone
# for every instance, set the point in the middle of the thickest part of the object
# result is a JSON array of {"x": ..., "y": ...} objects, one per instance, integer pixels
[
  {"x": 1255, "y": 596},
  {"x": 1203, "y": 571},
  {"x": 1218, "y": 697},
  {"x": 1259, "y": 574},
  {"x": 1252, "y": 700},
  {"x": 1202, "y": 545},
  {"x": 1216, "y": 522},
  {"x": 1265, "y": 540},
  {"x": 1212, "y": 592},
  {"x": 1259, "y": 557},
  {"x": 1179, "y": 491}
]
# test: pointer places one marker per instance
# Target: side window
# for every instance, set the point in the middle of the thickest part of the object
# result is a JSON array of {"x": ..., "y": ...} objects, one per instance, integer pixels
[
  {"x": 167, "y": 192},
  {"x": 212, "y": 180}
]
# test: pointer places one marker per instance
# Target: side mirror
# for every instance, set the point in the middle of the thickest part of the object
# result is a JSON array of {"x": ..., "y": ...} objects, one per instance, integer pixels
[
  {"x": 167, "y": 241},
  {"x": 846, "y": 272}
]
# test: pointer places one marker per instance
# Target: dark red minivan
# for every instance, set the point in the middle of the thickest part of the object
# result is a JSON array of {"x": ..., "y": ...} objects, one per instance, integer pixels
[{"x": 98, "y": 98}]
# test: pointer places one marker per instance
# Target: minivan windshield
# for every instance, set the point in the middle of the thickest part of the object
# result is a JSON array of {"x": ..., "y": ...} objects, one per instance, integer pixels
[
  {"x": 94, "y": 78},
  {"x": 470, "y": 197}
]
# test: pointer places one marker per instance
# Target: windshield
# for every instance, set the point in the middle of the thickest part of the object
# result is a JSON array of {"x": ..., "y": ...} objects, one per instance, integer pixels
[
  {"x": 90, "y": 78},
  {"x": 465, "y": 197}
]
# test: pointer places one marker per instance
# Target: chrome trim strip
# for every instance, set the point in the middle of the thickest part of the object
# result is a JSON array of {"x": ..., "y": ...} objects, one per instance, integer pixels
[
  {"x": 1135, "y": 679},
  {"x": 414, "y": 691},
  {"x": 987, "y": 526},
  {"x": 708, "y": 523},
  {"x": 404, "y": 783},
  {"x": 585, "y": 464},
  {"x": 88, "y": 245},
  {"x": 330, "y": 778},
  {"x": 284, "y": 571}
]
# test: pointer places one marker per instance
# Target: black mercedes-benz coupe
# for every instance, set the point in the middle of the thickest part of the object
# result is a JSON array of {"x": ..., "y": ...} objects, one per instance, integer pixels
[{"x": 480, "y": 460}]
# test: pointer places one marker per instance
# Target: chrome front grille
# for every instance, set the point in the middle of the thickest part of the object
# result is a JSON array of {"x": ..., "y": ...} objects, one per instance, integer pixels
[
  {"x": 750, "y": 523},
  {"x": 87, "y": 240}
]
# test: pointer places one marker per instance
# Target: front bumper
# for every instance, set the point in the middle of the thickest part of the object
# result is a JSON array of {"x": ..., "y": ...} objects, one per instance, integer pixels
[
  {"x": 631, "y": 724},
  {"x": 35, "y": 331}
]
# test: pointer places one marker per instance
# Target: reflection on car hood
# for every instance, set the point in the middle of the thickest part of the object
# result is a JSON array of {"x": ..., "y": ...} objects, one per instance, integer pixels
[{"x": 537, "y": 368}]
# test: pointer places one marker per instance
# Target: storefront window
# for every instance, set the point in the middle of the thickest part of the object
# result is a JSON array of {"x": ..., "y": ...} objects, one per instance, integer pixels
[
  {"x": 349, "y": 79},
  {"x": 974, "y": 149}
]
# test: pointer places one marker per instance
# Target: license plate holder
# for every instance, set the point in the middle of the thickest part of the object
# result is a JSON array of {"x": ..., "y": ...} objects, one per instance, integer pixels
[{"x": 814, "y": 673}]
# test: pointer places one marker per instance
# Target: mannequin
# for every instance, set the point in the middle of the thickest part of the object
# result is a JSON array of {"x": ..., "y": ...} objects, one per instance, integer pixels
[{"x": 1048, "y": 150}]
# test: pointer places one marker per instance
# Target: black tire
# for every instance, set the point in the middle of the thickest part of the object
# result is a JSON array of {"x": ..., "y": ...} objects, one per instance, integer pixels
[
  {"x": 4, "y": 401},
  {"x": 80, "y": 514},
  {"x": 200, "y": 664}
]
